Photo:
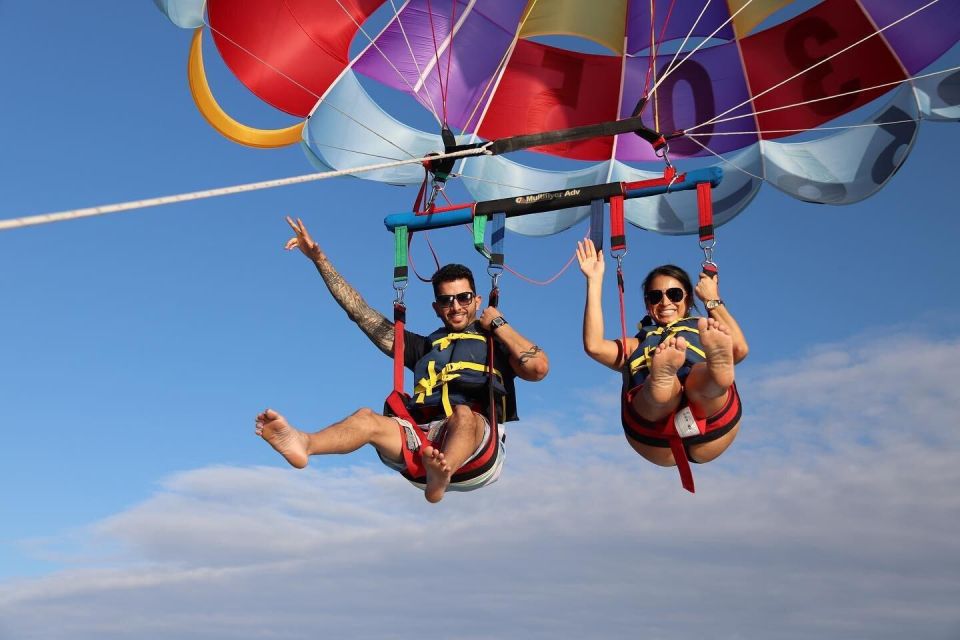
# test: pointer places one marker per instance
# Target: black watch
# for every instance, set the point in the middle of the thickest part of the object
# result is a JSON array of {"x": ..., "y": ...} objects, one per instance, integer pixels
[
  {"x": 712, "y": 304},
  {"x": 496, "y": 323}
]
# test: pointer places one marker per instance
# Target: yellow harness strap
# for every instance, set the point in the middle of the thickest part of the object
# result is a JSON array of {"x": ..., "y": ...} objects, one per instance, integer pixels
[
  {"x": 644, "y": 360},
  {"x": 426, "y": 386},
  {"x": 448, "y": 339}
]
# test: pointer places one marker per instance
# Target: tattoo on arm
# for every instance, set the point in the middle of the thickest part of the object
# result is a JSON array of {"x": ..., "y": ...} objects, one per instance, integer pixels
[
  {"x": 532, "y": 352},
  {"x": 373, "y": 323}
]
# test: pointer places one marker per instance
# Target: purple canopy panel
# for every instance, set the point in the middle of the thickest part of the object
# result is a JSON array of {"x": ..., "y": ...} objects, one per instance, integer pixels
[
  {"x": 923, "y": 37},
  {"x": 682, "y": 19},
  {"x": 404, "y": 56},
  {"x": 710, "y": 82}
]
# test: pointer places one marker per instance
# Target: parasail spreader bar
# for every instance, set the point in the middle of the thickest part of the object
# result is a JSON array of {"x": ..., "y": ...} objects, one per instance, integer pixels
[
  {"x": 586, "y": 132},
  {"x": 439, "y": 218}
]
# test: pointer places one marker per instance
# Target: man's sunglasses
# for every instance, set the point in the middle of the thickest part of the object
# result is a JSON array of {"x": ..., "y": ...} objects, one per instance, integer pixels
[
  {"x": 463, "y": 298},
  {"x": 674, "y": 294}
]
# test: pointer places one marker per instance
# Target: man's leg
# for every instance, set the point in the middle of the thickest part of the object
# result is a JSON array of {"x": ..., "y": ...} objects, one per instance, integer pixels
[
  {"x": 464, "y": 433},
  {"x": 363, "y": 427}
]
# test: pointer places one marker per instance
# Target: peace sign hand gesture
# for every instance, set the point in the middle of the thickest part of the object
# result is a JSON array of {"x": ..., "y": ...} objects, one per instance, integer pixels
[{"x": 302, "y": 240}]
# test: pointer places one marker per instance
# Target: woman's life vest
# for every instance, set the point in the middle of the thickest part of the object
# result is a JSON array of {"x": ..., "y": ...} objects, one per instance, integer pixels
[{"x": 687, "y": 421}]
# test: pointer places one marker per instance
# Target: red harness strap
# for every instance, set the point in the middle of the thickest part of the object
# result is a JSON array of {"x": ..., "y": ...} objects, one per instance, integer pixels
[
  {"x": 396, "y": 403},
  {"x": 707, "y": 239},
  {"x": 664, "y": 429}
]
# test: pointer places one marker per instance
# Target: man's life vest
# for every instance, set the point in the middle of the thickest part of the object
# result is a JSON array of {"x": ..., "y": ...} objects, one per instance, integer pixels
[{"x": 455, "y": 372}]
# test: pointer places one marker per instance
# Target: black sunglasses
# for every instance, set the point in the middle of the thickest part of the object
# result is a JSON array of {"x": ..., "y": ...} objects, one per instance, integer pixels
[
  {"x": 674, "y": 294},
  {"x": 464, "y": 298}
]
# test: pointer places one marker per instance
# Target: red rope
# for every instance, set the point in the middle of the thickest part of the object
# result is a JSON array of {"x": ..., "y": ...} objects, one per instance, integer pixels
[
  {"x": 653, "y": 48},
  {"x": 539, "y": 283},
  {"x": 413, "y": 267},
  {"x": 623, "y": 314},
  {"x": 653, "y": 52},
  {"x": 453, "y": 22},
  {"x": 436, "y": 56}
]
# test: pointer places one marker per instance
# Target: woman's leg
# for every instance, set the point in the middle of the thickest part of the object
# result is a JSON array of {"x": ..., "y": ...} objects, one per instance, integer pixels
[
  {"x": 660, "y": 395},
  {"x": 708, "y": 386},
  {"x": 661, "y": 391}
]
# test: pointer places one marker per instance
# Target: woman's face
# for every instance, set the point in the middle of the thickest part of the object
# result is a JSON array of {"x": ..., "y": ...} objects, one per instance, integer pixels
[{"x": 666, "y": 310}]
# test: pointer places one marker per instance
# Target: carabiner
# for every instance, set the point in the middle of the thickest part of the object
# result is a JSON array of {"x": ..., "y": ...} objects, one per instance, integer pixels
[
  {"x": 494, "y": 272},
  {"x": 399, "y": 287},
  {"x": 662, "y": 154}
]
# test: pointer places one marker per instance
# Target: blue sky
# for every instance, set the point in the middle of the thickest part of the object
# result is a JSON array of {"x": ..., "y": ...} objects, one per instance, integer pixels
[{"x": 138, "y": 347}]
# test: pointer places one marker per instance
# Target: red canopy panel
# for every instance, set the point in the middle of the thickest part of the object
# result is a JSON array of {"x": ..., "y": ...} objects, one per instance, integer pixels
[
  {"x": 545, "y": 88},
  {"x": 780, "y": 52},
  {"x": 287, "y": 52}
]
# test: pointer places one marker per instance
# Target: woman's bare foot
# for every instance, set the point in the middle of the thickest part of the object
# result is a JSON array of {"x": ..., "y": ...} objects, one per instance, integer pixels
[
  {"x": 289, "y": 441},
  {"x": 718, "y": 345},
  {"x": 438, "y": 474},
  {"x": 662, "y": 384}
]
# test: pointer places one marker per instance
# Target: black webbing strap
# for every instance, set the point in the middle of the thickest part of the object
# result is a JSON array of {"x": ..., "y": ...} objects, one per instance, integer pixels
[{"x": 596, "y": 223}]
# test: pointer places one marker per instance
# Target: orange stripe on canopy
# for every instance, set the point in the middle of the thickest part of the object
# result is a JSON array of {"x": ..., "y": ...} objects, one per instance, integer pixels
[{"x": 219, "y": 119}]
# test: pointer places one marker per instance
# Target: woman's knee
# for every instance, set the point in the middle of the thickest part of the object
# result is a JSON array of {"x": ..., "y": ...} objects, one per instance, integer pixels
[{"x": 708, "y": 451}]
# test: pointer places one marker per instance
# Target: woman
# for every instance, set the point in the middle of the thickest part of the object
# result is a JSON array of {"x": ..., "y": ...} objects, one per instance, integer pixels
[{"x": 677, "y": 368}]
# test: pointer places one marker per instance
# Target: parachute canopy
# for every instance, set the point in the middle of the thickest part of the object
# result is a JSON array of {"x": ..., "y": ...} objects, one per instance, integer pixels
[{"x": 738, "y": 80}]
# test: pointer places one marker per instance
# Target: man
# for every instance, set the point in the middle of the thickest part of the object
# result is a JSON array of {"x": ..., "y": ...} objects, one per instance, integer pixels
[{"x": 452, "y": 390}]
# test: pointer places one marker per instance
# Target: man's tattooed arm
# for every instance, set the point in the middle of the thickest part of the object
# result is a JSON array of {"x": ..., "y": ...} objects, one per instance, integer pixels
[
  {"x": 532, "y": 352},
  {"x": 371, "y": 322}
]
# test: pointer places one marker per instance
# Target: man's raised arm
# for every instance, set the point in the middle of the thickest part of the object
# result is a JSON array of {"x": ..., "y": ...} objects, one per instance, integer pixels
[{"x": 371, "y": 322}]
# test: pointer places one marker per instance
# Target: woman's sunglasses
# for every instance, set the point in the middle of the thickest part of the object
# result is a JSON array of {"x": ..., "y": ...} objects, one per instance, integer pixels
[
  {"x": 463, "y": 298},
  {"x": 674, "y": 294}
]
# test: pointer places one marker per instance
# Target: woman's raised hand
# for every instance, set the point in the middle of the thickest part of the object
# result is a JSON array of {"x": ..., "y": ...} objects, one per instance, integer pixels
[
  {"x": 707, "y": 288},
  {"x": 591, "y": 262}
]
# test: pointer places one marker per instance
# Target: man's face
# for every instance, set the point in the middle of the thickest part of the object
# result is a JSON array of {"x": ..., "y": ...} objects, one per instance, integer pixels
[{"x": 456, "y": 304}]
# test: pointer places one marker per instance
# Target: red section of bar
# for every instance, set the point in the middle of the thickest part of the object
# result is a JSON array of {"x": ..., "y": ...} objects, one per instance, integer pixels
[
  {"x": 778, "y": 53},
  {"x": 275, "y": 46},
  {"x": 545, "y": 88}
]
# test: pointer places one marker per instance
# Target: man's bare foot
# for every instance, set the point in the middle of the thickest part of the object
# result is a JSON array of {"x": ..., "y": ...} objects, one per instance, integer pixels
[
  {"x": 438, "y": 474},
  {"x": 718, "y": 345},
  {"x": 289, "y": 442},
  {"x": 662, "y": 384}
]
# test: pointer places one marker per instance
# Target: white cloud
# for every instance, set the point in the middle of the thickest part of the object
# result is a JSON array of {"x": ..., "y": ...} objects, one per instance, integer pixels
[{"x": 834, "y": 515}]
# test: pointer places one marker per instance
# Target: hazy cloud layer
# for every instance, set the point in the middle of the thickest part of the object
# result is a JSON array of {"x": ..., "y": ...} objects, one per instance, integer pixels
[{"x": 834, "y": 516}]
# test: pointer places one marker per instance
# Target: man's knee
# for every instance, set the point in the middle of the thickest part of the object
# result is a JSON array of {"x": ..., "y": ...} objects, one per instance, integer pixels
[
  {"x": 364, "y": 413},
  {"x": 367, "y": 421},
  {"x": 461, "y": 412},
  {"x": 463, "y": 417}
]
